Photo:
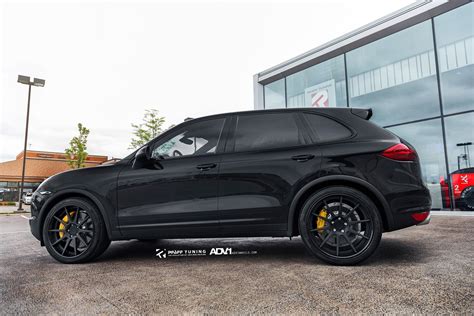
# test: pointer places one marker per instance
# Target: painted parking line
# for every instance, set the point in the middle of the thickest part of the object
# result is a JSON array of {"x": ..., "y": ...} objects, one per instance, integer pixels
[{"x": 451, "y": 213}]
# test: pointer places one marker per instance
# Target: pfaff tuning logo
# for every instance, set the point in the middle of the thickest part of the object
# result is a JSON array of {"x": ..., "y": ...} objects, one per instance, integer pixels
[{"x": 161, "y": 253}]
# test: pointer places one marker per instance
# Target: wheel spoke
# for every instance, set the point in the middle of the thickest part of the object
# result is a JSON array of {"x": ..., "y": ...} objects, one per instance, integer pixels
[
  {"x": 86, "y": 231},
  {"x": 358, "y": 234},
  {"x": 76, "y": 216},
  {"x": 81, "y": 239},
  {"x": 340, "y": 206},
  {"x": 59, "y": 240},
  {"x": 337, "y": 245},
  {"x": 351, "y": 211},
  {"x": 75, "y": 246},
  {"x": 350, "y": 243},
  {"x": 324, "y": 229},
  {"x": 68, "y": 241},
  {"x": 327, "y": 208},
  {"x": 56, "y": 230},
  {"x": 321, "y": 217},
  {"x": 84, "y": 220},
  {"x": 60, "y": 220},
  {"x": 68, "y": 216},
  {"x": 326, "y": 239},
  {"x": 359, "y": 221}
]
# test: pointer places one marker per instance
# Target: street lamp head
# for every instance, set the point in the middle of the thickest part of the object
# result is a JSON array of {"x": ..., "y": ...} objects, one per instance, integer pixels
[
  {"x": 38, "y": 82},
  {"x": 27, "y": 80},
  {"x": 23, "y": 79}
]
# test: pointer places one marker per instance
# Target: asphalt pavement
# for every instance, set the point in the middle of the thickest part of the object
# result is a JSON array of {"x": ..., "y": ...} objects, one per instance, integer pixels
[{"x": 424, "y": 269}]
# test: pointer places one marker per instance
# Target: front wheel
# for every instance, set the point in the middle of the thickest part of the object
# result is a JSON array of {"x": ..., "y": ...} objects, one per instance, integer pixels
[
  {"x": 74, "y": 231},
  {"x": 340, "y": 225}
]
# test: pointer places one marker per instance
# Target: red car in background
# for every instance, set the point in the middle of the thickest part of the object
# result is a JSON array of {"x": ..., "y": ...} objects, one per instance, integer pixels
[{"x": 462, "y": 184}]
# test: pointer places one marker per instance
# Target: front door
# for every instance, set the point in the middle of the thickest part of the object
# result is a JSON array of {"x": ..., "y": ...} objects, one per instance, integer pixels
[{"x": 178, "y": 197}]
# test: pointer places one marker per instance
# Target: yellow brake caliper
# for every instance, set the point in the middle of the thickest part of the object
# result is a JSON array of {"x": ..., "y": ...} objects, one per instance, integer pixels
[
  {"x": 320, "y": 222},
  {"x": 62, "y": 228}
]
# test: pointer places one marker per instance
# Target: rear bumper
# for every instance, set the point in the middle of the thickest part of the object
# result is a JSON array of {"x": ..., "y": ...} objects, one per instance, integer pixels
[{"x": 426, "y": 221}]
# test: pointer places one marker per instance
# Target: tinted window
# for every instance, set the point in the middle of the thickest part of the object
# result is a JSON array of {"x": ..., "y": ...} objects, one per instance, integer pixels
[
  {"x": 195, "y": 139},
  {"x": 397, "y": 79},
  {"x": 455, "y": 45},
  {"x": 275, "y": 94},
  {"x": 263, "y": 131},
  {"x": 322, "y": 85},
  {"x": 327, "y": 129}
]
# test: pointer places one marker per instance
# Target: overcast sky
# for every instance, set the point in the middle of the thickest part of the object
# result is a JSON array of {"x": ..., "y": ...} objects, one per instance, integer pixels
[{"x": 106, "y": 62}]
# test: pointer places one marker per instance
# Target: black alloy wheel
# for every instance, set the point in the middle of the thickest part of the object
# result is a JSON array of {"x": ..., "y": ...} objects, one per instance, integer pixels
[
  {"x": 74, "y": 231},
  {"x": 340, "y": 225}
]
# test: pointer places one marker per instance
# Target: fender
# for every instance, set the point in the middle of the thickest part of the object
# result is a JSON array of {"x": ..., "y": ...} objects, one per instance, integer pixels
[
  {"x": 70, "y": 192},
  {"x": 332, "y": 178}
]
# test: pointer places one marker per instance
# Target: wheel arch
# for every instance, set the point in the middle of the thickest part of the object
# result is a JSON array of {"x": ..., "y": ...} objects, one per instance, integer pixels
[
  {"x": 349, "y": 181},
  {"x": 72, "y": 193}
]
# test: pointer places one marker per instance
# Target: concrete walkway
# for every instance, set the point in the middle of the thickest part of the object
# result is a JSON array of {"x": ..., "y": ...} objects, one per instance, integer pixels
[
  {"x": 417, "y": 270},
  {"x": 10, "y": 209}
]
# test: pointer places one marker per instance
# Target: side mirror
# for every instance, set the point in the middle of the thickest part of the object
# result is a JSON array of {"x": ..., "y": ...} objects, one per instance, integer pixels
[{"x": 143, "y": 159}]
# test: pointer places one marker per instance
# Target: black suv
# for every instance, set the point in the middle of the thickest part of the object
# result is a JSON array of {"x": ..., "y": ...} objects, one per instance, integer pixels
[{"x": 328, "y": 175}]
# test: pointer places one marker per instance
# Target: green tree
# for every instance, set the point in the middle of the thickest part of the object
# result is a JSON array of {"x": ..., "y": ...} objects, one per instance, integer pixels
[
  {"x": 76, "y": 153},
  {"x": 151, "y": 127}
]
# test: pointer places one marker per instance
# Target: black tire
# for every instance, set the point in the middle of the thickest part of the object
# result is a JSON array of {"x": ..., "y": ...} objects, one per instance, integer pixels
[
  {"x": 74, "y": 231},
  {"x": 348, "y": 233},
  {"x": 466, "y": 202}
]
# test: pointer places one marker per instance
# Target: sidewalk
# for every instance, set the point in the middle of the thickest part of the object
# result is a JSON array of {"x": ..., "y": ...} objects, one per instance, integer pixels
[{"x": 13, "y": 209}]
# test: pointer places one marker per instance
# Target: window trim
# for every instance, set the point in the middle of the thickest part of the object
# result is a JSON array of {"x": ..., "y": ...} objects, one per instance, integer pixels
[
  {"x": 315, "y": 135},
  {"x": 230, "y": 146}
]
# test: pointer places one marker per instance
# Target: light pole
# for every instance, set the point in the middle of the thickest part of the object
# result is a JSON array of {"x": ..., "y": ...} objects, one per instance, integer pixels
[
  {"x": 466, "y": 155},
  {"x": 37, "y": 83}
]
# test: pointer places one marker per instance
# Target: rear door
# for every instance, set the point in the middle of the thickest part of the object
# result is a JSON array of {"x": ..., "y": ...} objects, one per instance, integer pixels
[{"x": 267, "y": 156}]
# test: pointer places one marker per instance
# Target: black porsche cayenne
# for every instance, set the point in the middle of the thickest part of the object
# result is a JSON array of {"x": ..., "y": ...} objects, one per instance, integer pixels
[{"x": 329, "y": 175}]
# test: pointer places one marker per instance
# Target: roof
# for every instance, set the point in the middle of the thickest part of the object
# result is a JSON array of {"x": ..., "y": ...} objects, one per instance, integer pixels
[
  {"x": 40, "y": 165},
  {"x": 57, "y": 155}
]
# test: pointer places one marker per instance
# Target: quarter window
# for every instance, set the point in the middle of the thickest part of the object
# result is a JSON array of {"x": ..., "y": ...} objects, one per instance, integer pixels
[
  {"x": 327, "y": 129},
  {"x": 264, "y": 131},
  {"x": 195, "y": 139}
]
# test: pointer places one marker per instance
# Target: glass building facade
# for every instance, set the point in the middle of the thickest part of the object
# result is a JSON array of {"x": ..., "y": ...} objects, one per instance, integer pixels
[{"x": 420, "y": 83}]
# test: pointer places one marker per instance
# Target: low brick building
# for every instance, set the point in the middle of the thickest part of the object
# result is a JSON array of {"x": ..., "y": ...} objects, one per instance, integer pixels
[{"x": 39, "y": 166}]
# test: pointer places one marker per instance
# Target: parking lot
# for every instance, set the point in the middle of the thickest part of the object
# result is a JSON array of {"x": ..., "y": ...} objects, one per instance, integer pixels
[{"x": 425, "y": 269}]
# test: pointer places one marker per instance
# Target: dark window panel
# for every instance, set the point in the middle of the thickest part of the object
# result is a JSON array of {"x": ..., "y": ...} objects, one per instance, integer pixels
[{"x": 256, "y": 132}]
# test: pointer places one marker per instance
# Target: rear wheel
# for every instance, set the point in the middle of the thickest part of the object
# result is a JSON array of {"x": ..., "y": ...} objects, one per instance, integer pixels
[
  {"x": 74, "y": 231},
  {"x": 340, "y": 225}
]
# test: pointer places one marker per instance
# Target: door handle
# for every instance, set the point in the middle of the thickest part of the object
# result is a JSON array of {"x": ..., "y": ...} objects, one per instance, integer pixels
[
  {"x": 302, "y": 158},
  {"x": 206, "y": 166}
]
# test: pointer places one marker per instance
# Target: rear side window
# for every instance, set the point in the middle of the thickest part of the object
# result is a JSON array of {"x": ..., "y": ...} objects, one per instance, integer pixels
[
  {"x": 264, "y": 131},
  {"x": 327, "y": 129}
]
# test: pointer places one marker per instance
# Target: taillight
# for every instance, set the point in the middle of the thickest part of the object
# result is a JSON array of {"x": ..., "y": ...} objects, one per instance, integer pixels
[
  {"x": 419, "y": 217},
  {"x": 400, "y": 152}
]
